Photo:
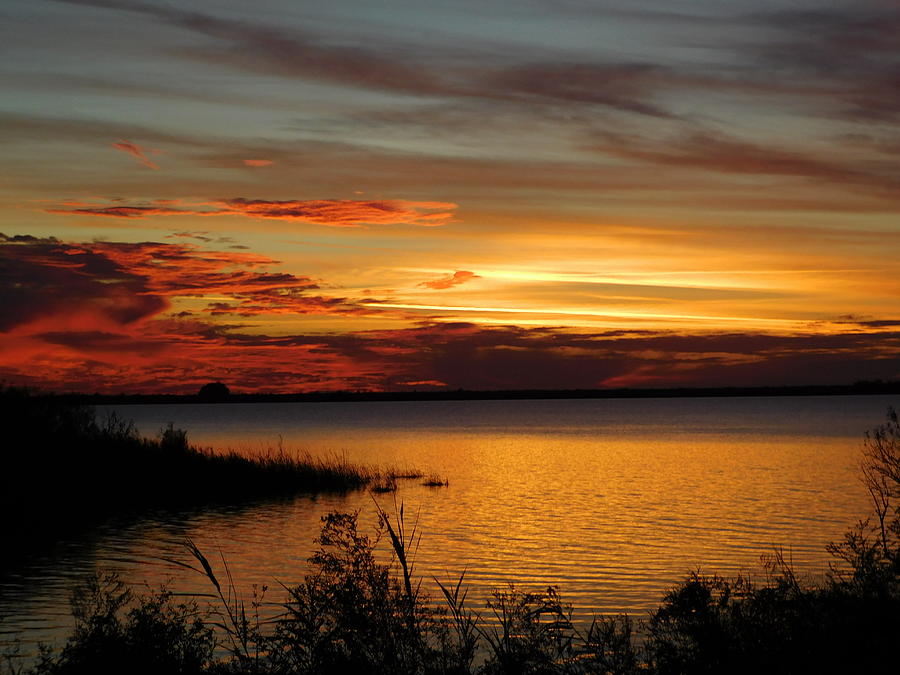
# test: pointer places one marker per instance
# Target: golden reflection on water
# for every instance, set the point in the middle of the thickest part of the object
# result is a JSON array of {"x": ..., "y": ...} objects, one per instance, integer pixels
[{"x": 611, "y": 507}]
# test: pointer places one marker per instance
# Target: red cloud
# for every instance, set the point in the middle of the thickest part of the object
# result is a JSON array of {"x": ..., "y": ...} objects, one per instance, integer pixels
[
  {"x": 455, "y": 279},
  {"x": 333, "y": 212},
  {"x": 344, "y": 212},
  {"x": 111, "y": 285},
  {"x": 424, "y": 383},
  {"x": 135, "y": 151},
  {"x": 258, "y": 162}
]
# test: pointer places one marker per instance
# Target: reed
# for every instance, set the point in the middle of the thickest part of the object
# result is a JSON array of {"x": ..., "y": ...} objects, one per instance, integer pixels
[{"x": 384, "y": 484}]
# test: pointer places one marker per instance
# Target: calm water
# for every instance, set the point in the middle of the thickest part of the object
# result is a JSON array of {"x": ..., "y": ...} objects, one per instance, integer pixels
[{"x": 614, "y": 500}]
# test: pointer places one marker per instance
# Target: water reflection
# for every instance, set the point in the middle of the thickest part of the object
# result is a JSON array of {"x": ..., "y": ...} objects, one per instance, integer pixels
[{"x": 613, "y": 500}]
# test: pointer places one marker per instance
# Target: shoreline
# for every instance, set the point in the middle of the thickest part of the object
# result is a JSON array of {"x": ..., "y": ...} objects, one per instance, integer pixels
[{"x": 858, "y": 389}]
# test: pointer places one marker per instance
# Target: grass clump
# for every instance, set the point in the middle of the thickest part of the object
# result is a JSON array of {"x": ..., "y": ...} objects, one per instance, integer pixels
[{"x": 385, "y": 484}]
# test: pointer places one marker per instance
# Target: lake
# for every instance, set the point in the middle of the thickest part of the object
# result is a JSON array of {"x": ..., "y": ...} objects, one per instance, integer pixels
[{"x": 613, "y": 500}]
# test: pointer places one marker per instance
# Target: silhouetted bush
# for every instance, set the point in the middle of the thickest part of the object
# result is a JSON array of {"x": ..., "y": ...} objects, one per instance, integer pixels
[
  {"x": 117, "y": 632},
  {"x": 847, "y": 623}
]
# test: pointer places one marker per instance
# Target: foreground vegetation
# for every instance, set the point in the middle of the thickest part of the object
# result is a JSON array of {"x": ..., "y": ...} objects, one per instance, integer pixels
[
  {"x": 59, "y": 461},
  {"x": 355, "y": 614}
]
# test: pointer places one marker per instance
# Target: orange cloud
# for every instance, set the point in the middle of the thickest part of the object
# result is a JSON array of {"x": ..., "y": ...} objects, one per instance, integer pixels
[
  {"x": 344, "y": 212},
  {"x": 332, "y": 212},
  {"x": 135, "y": 151},
  {"x": 258, "y": 162},
  {"x": 455, "y": 279}
]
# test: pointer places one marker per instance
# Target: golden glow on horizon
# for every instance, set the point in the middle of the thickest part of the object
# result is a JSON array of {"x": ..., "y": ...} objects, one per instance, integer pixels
[
  {"x": 661, "y": 278},
  {"x": 572, "y": 312}
]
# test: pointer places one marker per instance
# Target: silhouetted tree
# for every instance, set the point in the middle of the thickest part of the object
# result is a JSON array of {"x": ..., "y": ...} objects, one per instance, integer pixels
[
  {"x": 881, "y": 476},
  {"x": 214, "y": 391}
]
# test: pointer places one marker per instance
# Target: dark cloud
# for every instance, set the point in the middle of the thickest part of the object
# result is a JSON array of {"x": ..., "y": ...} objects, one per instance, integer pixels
[
  {"x": 259, "y": 48},
  {"x": 847, "y": 58},
  {"x": 718, "y": 153},
  {"x": 835, "y": 38},
  {"x": 297, "y": 54},
  {"x": 883, "y": 323},
  {"x": 512, "y": 358},
  {"x": 840, "y": 61},
  {"x": 867, "y": 322},
  {"x": 626, "y": 87},
  {"x": 122, "y": 211},
  {"x": 508, "y": 357},
  {"x": 203, "y": 236},
  {"x": 44, "y": 278},
  {"x": 117, "y": 284},
  {"x": 26, "y": 238}
]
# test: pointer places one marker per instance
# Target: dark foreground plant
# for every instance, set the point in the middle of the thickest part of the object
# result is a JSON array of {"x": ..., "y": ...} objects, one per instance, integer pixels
[{"x": 118, "y": 632}]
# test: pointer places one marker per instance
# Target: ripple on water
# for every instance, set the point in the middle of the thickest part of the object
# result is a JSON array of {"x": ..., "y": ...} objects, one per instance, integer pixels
[{"x": 615, "y": 501}]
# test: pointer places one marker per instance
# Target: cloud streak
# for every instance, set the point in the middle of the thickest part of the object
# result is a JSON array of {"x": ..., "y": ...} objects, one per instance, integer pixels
[
  {"x": 135, "y": 151},
  {"x": 344, "y": 212},
  {"x": 330, "y": 212},
  {"x": 720, "y": 154},
  {"x": 122, "y": 211}
]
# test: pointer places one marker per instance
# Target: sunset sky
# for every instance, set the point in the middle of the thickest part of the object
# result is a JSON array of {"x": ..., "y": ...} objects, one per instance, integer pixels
[{"x": 351, "y": 195}]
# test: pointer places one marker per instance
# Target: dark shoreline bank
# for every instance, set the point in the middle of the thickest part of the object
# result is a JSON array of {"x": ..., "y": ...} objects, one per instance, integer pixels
[
  {"x": 857, "y": 389},
  {"x": 62, "y": 468}
]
